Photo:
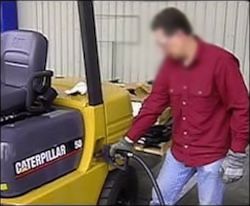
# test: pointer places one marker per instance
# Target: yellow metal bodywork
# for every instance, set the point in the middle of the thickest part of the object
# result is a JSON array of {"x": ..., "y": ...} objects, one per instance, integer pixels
[{"x": 103, "y": 124}]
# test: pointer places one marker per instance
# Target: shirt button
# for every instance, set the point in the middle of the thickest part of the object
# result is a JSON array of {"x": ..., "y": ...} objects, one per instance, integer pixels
[
  {"x": 184, "y": 87},
  {"x": 185, "y": 133},
  {"x": 200, "y": 92},
  {"x": 185, "y": 146},
  {"x": 184, "y": 103},
  {"x": 184, "y": 118}
]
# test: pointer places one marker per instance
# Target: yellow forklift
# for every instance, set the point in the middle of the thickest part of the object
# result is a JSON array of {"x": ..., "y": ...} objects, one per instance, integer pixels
[{"x": 52, "y": 143}]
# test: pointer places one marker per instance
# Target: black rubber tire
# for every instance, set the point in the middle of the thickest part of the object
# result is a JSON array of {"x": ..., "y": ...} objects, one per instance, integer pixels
[{"x": 120, "y": 188}]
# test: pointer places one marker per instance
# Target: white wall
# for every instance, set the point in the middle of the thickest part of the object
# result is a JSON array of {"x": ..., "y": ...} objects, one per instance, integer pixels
[{"x": 126, "y": 48}]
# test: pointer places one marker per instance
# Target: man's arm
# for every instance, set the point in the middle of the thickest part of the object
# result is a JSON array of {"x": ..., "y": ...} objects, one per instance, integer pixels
[
  {"x": 152, "y": 107},
  {"x": 234, "y": 95}
]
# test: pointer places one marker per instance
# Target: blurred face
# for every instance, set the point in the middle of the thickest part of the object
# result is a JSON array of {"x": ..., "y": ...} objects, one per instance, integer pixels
[{"x": 173, "y": 45}]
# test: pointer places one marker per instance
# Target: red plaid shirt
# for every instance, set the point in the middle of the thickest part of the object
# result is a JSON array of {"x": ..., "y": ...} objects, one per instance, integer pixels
[{"x": 209, "y": 102}]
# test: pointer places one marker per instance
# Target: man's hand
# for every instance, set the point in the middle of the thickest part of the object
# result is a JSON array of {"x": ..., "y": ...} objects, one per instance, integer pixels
[
  {"x": 232, "y": 169},
  {"x": 123, "y": 144}
]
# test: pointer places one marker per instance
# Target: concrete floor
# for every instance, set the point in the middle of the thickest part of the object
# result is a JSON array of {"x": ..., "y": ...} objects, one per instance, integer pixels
[{"x": 236, "y": 193}]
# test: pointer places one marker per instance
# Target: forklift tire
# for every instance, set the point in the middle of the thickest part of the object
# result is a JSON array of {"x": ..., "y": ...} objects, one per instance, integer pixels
[{"x": 120, "y": 188}]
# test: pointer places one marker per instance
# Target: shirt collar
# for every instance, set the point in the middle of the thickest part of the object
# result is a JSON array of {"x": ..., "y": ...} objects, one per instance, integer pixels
[{"x": 199, "y": 51}]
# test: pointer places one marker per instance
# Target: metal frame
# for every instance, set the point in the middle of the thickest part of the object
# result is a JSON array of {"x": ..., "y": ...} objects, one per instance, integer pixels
[
  {"x": 8, "y": 15},
  {"x": 90, "y": 51}
]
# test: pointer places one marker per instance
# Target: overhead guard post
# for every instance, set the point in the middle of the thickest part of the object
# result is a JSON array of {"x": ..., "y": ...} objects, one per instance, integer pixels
[{"x": 90, "y": 51}]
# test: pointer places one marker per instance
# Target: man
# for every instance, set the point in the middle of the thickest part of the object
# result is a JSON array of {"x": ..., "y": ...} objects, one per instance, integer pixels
[{"x": 203, "y": 85}]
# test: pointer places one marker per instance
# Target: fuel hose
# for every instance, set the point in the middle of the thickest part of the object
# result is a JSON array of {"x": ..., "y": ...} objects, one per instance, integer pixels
[{"x": 149, "y": 173}]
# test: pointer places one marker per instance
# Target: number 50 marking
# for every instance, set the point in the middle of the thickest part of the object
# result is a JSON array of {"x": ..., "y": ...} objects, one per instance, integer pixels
[{"x": 78, "y": 144}]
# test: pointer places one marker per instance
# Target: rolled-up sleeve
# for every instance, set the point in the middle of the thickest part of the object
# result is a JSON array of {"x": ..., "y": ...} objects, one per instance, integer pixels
[{"x": 234, "y": 95}]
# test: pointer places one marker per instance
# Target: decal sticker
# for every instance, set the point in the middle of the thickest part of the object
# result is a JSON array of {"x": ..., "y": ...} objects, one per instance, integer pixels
[
  {"x": 3, "y": 187},
  {"x": 47, "y": 157}
]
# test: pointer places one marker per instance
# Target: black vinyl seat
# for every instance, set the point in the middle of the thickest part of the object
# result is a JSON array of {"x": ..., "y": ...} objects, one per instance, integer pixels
[{"x": 23, "y": 75}]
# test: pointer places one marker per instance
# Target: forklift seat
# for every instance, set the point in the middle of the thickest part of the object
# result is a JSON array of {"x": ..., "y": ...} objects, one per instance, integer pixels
[{"x": 23, "y": 75}]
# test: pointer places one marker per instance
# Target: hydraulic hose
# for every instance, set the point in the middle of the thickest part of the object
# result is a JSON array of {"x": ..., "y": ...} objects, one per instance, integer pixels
[
  {"x": 148, "y": 171},
  {"x": 151, "y": 177}
]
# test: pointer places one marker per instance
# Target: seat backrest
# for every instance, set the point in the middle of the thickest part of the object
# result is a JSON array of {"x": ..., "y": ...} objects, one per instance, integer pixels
[{"x": 22, "y": 54}]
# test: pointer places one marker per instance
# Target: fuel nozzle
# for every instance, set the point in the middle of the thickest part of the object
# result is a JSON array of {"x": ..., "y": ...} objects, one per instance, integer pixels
[
  {"x": 124, "y": 153},
  {"x": 120, "y": 160}
]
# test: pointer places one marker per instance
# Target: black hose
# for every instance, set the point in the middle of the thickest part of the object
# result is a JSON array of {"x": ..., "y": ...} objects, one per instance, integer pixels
[
  {"x": 130, "y": 155},
  {"x": 151, "y": 177}
]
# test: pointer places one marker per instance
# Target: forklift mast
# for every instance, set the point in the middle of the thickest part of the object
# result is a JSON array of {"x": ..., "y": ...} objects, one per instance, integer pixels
[{"x": 90, "y": 51}]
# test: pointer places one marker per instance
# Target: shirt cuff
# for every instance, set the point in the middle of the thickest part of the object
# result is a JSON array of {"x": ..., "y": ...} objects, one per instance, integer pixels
[
  {"x": 239, "y": 147},
  {"x": 129, "y": 140}
]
